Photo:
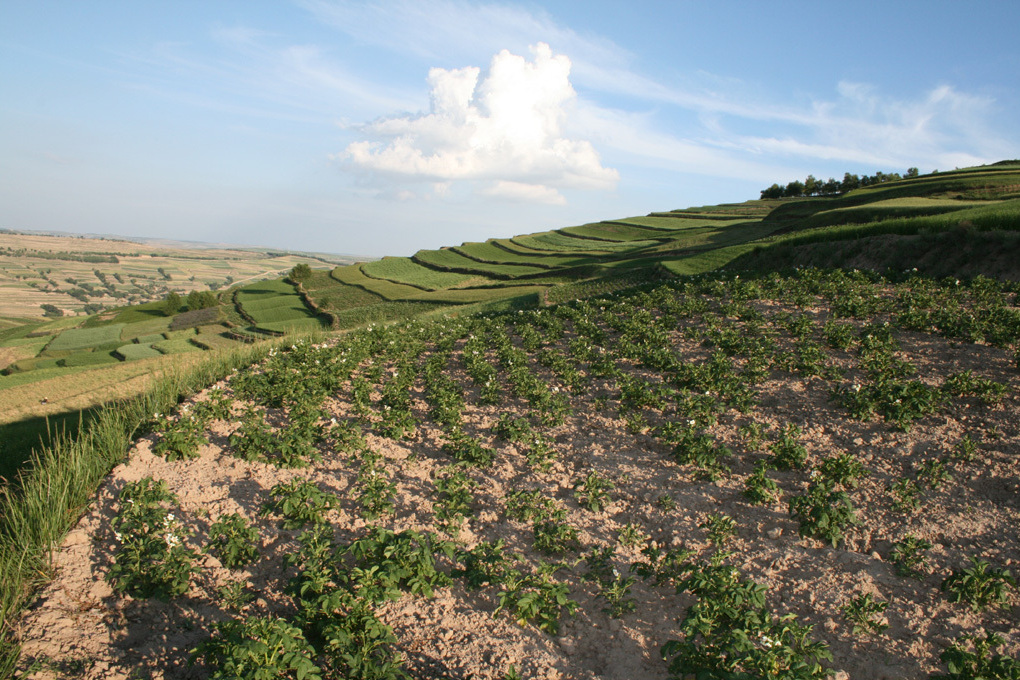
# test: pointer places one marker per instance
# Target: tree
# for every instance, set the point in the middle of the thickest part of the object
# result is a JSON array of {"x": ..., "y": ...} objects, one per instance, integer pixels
[
  {"x": 300, "y": 272},
  {"x": 912, "y": 172},
  {"x": 52, "y": 310},
  {"x": 171, "y": 304},
  {"x": 812, "y": 186},
  {"x": 774, "y": 191},
  {"x": 794, "y": 189},
  {"x": 850, "y": 182},
  {"x": 200, "y": 300}
]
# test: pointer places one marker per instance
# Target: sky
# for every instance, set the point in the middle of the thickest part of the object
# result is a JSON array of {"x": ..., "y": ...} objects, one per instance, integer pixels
[{"x": 379, "y": 128}]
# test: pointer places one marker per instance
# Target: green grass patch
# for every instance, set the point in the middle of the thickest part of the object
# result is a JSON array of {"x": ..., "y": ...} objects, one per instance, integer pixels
[
  {"x": 448, "y": 259},
  {"x": 273, "y": 302},
  {"x": 88, "y": 359},
  {"x": 300, "y": 325},
  {"x": 85, "y": 338},
  {"x": 384, "y": 290},
  {"x": 676, "y": 222},
  {"x": 150, "y": 338},
  {"x": 134, "y": 352},
  {"x": 143, "y": 312},
  {"x": 613, "y": 231},
  {"x": 406, "y": 271},
  {"x": 490, "y": 252}
]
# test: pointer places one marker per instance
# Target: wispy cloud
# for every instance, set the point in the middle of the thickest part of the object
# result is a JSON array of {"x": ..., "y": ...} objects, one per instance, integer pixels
[{"x": 708, "y": 123}]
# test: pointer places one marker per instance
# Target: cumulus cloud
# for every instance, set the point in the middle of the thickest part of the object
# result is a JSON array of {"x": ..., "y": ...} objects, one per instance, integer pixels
[{"x": 506, "y": 128}]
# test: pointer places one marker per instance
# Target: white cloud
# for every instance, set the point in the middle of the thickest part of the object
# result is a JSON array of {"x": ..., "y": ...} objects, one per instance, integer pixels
[
  {"x": 529, "y": 193},
  {"x": 507, "y": 128}
]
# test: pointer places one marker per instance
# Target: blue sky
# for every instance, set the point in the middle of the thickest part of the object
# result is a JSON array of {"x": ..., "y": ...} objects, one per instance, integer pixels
[{"x": 382, "y": 128}]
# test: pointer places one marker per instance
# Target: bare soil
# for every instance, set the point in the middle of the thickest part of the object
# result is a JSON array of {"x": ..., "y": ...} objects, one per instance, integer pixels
[{"x": 79, "y": 627}]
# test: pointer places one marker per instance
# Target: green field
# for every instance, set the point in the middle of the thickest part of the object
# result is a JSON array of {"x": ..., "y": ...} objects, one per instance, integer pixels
[
  {"x": 85, "y": 338},
  {"x": 406, "y": 271},
  {"x": 613, "y": 231},
  {"x": 135, "y": 351},
  {"x": 489, "y": 252},
  {"x": 449, "y": 259}
]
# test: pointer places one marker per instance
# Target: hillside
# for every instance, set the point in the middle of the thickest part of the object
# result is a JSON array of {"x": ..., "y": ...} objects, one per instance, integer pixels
[{"x": 649, "y": 447}]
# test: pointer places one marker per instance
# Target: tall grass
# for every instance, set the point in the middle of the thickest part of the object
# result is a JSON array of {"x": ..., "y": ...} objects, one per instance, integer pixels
[{"x": 55, "y": 487}]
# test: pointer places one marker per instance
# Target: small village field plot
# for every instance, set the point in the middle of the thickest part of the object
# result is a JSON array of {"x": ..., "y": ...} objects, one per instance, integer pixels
[
  {"x": 96, "y": 358},
  {"x": 150, "y": 338},
  {"x": 85, "y": 338},
  {"x": 385, "y": 289},
  {"x": 305, "y": 324},
  {"x": 528, "y": 251},
  {"x": 405, "y": 270},
  {"x": 448, "y": 259},
  {"x": 612, "y": 231},
  {"x": 133, "y": 352},
  {"x": 489, "y": 252},
  {"x": 564, "y": 243},
  {"x": 332, "y": 295},
  {"x": 272, "y": 301},
  {"x": 674, "y": 223}
]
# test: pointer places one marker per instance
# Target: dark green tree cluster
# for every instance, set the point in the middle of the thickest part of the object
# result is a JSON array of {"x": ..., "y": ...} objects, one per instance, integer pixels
[
  {"x": 201, "y": 300},
  {"x": 300, "y": 272},
  {"x": 171, "y": 304},
  {"x": 830, "y": 187}
]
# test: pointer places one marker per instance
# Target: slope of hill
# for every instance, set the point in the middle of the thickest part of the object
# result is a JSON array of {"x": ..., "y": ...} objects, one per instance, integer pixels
[{"x": 743, "y": 473}]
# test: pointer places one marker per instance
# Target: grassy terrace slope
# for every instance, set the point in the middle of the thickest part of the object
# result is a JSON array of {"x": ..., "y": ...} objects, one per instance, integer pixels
[{"x": 601, "y": 256}]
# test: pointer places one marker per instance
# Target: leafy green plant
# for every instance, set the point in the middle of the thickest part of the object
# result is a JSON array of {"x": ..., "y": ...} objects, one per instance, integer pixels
[
  {"x": 525, "y": 506},
  {"x": 152, "y": 558},
  {"x": 720, "y": 527},
  {"x": 454, "y": 503},
  {"x": 759, "y": 489},
  {"x": 258, "y": 647},
  {"x": 180, "y": 439},
  {"x": 907, "y": 555},
  {"x": 233, "y": 541},
  {"x": 235, "y": 595},
  {"x": 554, "y": 537},
  {"x": 376, "y": 490},
  {"x": 935, "y": 473},
  {"x": 467, "y": 449},
  {"x": 539, "y": 453},
  {"x": 614, "y": 588},
  {"x": 665, "y": 502},
  {"x": 592, "y": 491},
  {"x": 979, "y": 585},
  {"x": 697, "y": 448},
  {"x": 486, "y": 563},
  {"x": 843, "y": 469},
  {"x": 355, "y": 643},
  {"x": 536, "y": 598},
  {"x": 730, "y": 633},
  {"x": 788, "y": 453},
  {"x": 861, "y": 611},
  {"x": 966, "y": 449},
  {"x": 387, "y": 563},
  {"x": 300, "y": 502},
  {"x": 824, "y": 512},
  {"x": 904, "y": 493},
  {"x": 753, "y": 435},
  {"x": 631, "y": 536},
  {"x": 979, "y": 664}
]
